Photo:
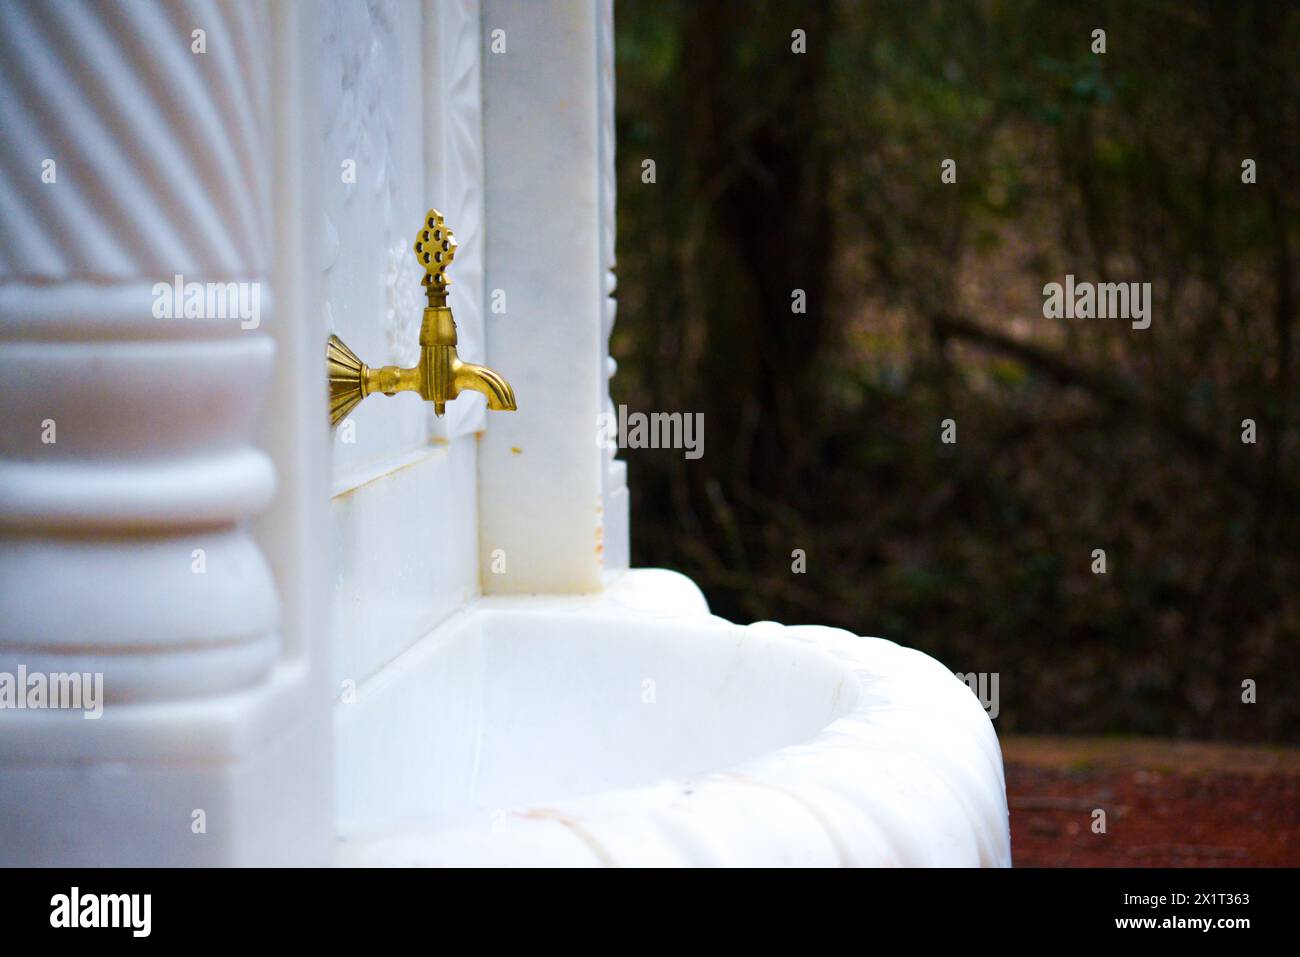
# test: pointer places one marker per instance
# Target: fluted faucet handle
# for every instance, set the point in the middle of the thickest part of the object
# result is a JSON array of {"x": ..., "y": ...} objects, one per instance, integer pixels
[{"x": 441, "y": 375}]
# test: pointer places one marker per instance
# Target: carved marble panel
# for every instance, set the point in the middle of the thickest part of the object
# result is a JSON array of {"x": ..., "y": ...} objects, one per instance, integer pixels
[
  {"x": 614, "y": 533},
  {"x": 401, "y": 98},
  {"x": 454, "y": 156}
]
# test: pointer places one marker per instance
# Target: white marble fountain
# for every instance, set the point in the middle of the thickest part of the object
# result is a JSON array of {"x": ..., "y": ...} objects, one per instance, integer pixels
[{"x": 418, "y": 641}]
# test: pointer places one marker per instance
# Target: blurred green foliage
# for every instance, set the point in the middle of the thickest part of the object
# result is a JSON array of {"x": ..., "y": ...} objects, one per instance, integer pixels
[{"x": 819, "y": 171}]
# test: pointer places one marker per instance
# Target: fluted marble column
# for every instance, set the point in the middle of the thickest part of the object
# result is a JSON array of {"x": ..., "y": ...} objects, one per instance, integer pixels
[{"x": 138, "y": 155}]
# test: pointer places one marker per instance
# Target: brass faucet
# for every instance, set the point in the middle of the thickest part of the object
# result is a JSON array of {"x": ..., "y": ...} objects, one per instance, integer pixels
[{"x": 440, "y": 376}]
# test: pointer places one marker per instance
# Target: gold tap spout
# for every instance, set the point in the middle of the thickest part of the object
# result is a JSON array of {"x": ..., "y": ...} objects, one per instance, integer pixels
[
  {"x": 441, "y": 375},
  {"x": 500, "y": 396}
]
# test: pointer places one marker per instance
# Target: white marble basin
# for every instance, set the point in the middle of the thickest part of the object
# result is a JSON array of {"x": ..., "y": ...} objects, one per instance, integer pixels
[{"x": 637, "y": 729}]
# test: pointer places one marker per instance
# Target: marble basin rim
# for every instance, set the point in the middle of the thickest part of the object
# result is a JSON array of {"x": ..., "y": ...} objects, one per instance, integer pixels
[{"x": 636, "y": 729}]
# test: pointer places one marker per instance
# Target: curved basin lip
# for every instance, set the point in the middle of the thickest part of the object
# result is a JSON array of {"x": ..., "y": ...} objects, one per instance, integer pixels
[{"x": 911, "y": 774}]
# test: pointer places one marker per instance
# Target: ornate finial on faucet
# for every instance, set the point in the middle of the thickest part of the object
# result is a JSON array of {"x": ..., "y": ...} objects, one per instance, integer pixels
[
  {"x": 435, "y": 248},
  {"x": 440, "y": 376}
]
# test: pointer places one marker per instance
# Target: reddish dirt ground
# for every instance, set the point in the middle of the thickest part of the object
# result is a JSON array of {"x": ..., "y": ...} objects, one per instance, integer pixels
[{"x": 1167, "y": 803}]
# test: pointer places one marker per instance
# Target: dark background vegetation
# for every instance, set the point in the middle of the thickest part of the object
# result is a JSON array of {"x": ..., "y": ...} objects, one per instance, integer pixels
[{"x": 820, "y": 172}]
